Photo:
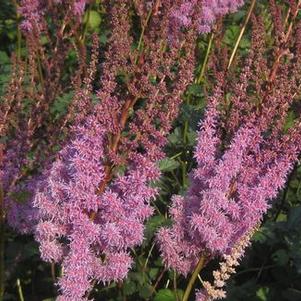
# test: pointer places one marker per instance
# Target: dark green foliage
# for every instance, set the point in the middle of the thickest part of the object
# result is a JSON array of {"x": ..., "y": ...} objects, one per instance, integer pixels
[{"x": 4, "y": 71}]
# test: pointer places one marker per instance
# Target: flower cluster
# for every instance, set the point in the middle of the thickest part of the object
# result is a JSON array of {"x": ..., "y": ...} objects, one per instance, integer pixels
[
  {"x": 243, "y": 161},
  {"x": 96, "y": 195},
  {"x": 21, "y": 215},
  {"x": 67, "y": 198},
  {"x": 200, "y": 14},
  {"x": 33, "y": 11},
  {"x": 215, "y": 291},
  {"x": 25, "y": 111},
  {"x": 228, "y": 193},
  {"x": 79, "y": 7}
]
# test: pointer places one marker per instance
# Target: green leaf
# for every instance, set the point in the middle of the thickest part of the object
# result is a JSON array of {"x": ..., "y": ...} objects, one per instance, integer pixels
[
  {"x": 195, "y": 90},
  {"x": 239, "y": 16},
  {"x": 94, "y": 19},
  {"x": 290, "y": 119},
  {"x": 281, "y": 257},
  {"x": 176, "y": 136},
  {"x": 231, "y": 34},
  {"x": 136, "y": 276},
  {"x": 259, "y": 237},
  {"x": 168, "y": 164},
  {"x": 4, "y": 59},
  {"x": 191, "y": 114},
  {"x": 129, "y": 287},
  {"x": 292, "y": 294},
  {"x": 244, "y": 43},
  {"x": 21, "y": 196},
  {"x": 281, "y": 217},
  {"x": 145, "y": 291},
  {"x": 262, "y": 293},
  {"x": 165, "y": 295},
  {"x": 43, "y": 40},
  {"x": 103, "y": 38},
  {"x": 59, "y": 107},
  {"x": 294, "y": 217},
  {"x": 294, "y": 183},
  {"x": 191, "y": 137},
  {"x": 153, "y": 273},
  {"x": 153, "y": 225}
]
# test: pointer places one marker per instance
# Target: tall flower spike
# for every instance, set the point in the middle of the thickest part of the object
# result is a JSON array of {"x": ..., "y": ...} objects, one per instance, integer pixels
[
  {"x": 70, "y": 190},
  {"x": 247, "y": 168},
  {"x": 97, "y": 193},
  {"x": 206, "y": 216},
  {"x": 25, "y": 111}
]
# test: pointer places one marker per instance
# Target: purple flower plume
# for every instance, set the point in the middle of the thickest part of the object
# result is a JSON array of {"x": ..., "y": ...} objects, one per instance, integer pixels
[
  {"x": 98, "y": 248},
  {"x": 230, "y": 190},
  {"x": 33, "y": 11},
  {"x": 200, "y": 14},
  {"x": 87, "y": 229},
  {"x": 20, "y": 212},
  {"x": 95, "y": 197},
  {"x": 79, "y": 7}
]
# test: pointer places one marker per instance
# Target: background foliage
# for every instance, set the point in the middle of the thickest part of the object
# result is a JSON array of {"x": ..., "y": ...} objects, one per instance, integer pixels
[{"x": 270, "y": 271}]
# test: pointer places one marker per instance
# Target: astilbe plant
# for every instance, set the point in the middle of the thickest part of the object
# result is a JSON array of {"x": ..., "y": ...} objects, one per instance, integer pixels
[
  {"x": 94, "y": 198},
  {"x": 38, "y": 78},
  {"x": 244, "y": 153},
  {"x": 27, "y": 130},
  {"x": 124, "y": 146}
]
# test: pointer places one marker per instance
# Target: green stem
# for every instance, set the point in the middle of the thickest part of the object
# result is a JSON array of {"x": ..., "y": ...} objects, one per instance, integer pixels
[
  {"x": 186, "y": 127},
  {"x": 18, "y": 43},
  {"x": 176, "y": 178},
  {"x": 20, "y": 291},
  {"x": 148, "y": 257},
  {"x": 40, "y": 72},
  {"x": 142, "y": 35},
  {"x": 53, "y": 277},
  {"x": 198, "y": 81},
  {"x": 175, "y": 286},
  {"x": 19, "y": 37},
  {"x": 154, "y": 287},
  {"x": 85, "y": 30},
  {"x": 241, "y": 32},
  {"x": 202, "y": 73},
  {"x": 193, "y": 278},
  {"x": 1, "y": 242},
  {"x": 176, "y": 155},
  {"x": 184, "y": 173},
  {"x": 18, "y": 17},
  {"x": 267, "y": 267}
]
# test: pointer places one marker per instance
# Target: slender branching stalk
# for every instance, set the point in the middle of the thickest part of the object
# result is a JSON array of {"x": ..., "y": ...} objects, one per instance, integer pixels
[
  {"x": 202, "y": 73},
  {"x": 252, "y": 6},
  {"x": 20, "y": 291}
]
